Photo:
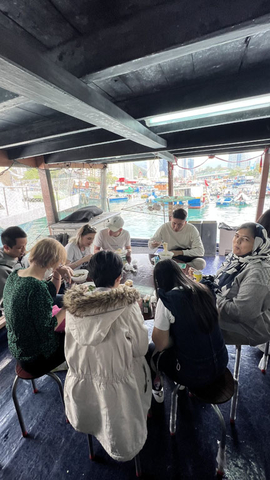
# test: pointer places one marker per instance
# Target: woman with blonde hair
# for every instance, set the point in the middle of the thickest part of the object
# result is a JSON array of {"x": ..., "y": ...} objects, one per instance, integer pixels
[
  {"x": 78, "y": 248},
  {"x": 28, "y": 301}
]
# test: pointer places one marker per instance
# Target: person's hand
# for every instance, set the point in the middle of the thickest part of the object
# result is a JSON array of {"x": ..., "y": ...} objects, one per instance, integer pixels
[
  {"x": 66, "y": 272},
  {"x": 87, "y": 258},
  {"x": 176, "y": 253},
  {"x": 155, "y": 244},
  {"x": 140, "y": 302},
  {"x": 189, "y": 272}
]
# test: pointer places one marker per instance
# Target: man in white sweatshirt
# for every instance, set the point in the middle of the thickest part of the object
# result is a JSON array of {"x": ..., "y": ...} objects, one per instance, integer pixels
[{"x": 183, "y": 240}]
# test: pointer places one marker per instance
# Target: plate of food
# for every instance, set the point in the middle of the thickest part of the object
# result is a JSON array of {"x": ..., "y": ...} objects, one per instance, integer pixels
[{"x": 79, "y": 276}]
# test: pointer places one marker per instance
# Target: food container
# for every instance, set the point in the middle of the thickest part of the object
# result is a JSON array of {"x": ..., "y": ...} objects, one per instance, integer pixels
[
  {"x": 197, "y": 275},
  {"x": 165, "y": 255},
  {"x": 146, "y": 304},
  {"x": 80, "y": 276},
  {"x": 122, "y": 254},
  {"x": 182, "y": 265}
]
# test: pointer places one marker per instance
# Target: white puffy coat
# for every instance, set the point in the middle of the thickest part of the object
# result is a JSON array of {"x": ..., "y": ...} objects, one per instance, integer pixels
[{"x": 108, "y": 384}]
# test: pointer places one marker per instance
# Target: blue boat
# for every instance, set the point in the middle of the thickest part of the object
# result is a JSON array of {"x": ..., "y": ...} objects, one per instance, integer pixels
[
  {"x": 118, "y": 199},
  {"x": 223, "y": 201},
  {"x": 196, "y": 203}
]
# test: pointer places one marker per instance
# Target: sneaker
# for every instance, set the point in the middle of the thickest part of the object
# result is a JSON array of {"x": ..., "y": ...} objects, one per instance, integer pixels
[
  {"x": 158, "y": 395},
  {"x": 61, "y": 367},
  {"x": 181, "y": 387}
]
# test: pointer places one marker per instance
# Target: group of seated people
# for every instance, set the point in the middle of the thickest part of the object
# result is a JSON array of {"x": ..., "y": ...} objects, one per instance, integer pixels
[{"x": 109, "y": 383}]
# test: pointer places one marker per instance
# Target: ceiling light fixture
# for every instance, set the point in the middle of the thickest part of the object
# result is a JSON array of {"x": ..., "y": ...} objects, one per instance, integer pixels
[{"x": 210, "y": 110}]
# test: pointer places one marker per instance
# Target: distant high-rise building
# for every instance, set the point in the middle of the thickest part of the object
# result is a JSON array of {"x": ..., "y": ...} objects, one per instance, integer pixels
[
  {"x": 188, "y": 167},
  {"x": 190, "y": 164},
  {"x": 237, "y": 160},
  {"x": 163, "y": 166},
  {"x": 121, "y": 170}
]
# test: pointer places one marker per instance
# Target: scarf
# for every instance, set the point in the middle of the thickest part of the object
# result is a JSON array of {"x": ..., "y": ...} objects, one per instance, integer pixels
[{"x": 235, "y": 265}]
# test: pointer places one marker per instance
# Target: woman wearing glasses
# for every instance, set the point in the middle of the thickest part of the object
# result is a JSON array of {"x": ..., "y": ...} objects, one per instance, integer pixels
[{"x": 78, "y": 249}]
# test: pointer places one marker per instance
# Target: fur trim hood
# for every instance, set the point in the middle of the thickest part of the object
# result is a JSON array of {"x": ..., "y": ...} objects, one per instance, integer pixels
[
  {"x": 80, "y": 302},
  {"x": 91, "y": 315}
]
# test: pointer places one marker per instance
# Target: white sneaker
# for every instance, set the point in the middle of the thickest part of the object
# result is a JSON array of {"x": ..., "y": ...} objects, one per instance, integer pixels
[
  {"x": 158, "y": 395},
  {"x": 59, "y": 368}
]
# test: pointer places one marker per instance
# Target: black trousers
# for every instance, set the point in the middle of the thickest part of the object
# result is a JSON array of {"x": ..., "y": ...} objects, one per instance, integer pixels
[{"x": 41, "y": 364}]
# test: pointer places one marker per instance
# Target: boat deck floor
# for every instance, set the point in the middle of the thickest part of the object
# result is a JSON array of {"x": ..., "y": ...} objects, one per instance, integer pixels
[{"x": 54, "y": 450}]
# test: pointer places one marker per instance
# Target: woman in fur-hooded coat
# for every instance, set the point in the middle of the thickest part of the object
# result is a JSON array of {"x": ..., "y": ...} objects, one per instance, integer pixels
[{"x": 108, "y": 384}]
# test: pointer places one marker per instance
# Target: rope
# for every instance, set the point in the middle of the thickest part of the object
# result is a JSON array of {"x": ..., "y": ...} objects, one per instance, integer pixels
[{"x": 210, "y": 157}]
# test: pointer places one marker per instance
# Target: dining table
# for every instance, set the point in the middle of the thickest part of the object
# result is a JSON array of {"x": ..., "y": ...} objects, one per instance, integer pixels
[{"x": 139, "y": 267}]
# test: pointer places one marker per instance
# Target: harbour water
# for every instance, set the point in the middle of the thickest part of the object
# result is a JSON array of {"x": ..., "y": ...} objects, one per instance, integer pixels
[{"x": 142, "y": 223}]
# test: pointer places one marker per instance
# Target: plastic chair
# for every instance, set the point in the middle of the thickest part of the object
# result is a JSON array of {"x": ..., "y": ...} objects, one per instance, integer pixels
[
  {"x": 22, "y": 374},
  {"x": 92, "y": 456},
  {"x": 263, "y": 367},
  {"x": 220, "y": 391}
]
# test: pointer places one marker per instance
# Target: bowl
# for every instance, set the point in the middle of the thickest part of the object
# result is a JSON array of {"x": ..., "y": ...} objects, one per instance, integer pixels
[
  {"x": 80, "y": 276},
  {"x": 165, "y": 256},
  {"x": 91, "y": 286},
  {"x": 121, "y": 253}
]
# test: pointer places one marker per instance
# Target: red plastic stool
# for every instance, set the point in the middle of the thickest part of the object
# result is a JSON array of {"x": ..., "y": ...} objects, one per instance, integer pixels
[{"x": 22, "y": 374}]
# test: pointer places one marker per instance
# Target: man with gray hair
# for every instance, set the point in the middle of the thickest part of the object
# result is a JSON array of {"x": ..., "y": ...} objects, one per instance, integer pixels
[{"x": 183, "y": 240}]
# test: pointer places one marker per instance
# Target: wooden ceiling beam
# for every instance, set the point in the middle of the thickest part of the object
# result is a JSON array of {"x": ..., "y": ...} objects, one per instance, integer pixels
[
  {"x": 257, "y": 132},
  {"x": 57, "y": 127},
  {"x": 160, "y": 34},
  {"x": 246, "y": 84},
  {"x": 64, "y": 143},
  {"x": 72, "y": 131},
  {"x": 24, "y": 71},
  {"x": 5, "y": 161},
  {"x": 77, "y": 165}
]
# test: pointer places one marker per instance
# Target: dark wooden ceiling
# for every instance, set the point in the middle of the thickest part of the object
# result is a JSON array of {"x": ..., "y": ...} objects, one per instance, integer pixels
[{"x": 78, "y": 79}]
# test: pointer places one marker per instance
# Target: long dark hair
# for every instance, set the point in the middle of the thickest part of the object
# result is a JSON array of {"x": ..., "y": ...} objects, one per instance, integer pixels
[{"x": 168, "y": 275}]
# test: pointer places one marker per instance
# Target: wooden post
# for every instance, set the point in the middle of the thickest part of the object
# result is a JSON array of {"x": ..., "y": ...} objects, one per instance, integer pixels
[
  {"x": 263, "y": 185},
  {"x": 103, "y": 188},
  {"x": 47, "y": 192},
  {"x": 170, "y": 188}
]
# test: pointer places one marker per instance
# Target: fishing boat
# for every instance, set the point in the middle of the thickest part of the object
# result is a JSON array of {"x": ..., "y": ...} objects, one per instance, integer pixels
[
  {"x": 242, "y": 199},
  {"x": 196, "y": 203},
  {"x": 224, "y": 201}
]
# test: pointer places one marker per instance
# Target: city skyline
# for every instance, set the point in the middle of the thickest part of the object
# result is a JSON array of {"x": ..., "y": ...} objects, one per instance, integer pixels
[{"x": 154, "y": 169}]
